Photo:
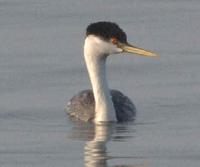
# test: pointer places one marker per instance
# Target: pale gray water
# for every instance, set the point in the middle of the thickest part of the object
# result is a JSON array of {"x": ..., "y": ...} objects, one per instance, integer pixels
[{"x": 41, "y": 66}]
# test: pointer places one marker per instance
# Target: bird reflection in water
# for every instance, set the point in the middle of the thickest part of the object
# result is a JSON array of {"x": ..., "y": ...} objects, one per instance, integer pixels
[
  {"x": 97, "y": 136},
  {"x": 95, "y": 150}
]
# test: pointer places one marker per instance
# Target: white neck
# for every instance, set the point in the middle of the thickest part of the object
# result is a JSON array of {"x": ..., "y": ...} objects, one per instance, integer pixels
[{"x": 96, "y": 61}]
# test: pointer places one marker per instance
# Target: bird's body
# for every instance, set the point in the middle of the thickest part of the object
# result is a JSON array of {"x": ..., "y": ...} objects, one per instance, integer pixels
[
  {"x": 102, "y": 104},
  {"x": 82, "y": 106}
]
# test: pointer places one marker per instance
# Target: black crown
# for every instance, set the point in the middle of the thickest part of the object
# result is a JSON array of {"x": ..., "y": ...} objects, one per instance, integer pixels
[{"x": 106, "y": 30}]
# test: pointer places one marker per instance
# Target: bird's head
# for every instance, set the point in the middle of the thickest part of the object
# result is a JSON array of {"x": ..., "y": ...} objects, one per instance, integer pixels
[{"x": 105, "y": 38}]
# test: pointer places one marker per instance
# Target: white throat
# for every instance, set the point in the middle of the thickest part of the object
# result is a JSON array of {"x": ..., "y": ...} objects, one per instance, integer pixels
[{"x": 95, "y": 53}]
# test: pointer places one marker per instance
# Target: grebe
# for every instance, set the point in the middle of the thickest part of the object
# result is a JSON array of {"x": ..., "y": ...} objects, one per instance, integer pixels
[{"x": 102, "y": 104}]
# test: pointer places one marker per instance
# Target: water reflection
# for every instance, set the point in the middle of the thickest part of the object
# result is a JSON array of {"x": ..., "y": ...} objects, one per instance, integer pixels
[
  {"x": 95, "y": 150},
  {"x": 97, "y": 136}
]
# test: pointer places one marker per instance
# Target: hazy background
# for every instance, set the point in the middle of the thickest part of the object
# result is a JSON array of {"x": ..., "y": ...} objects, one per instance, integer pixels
[{"x": 42, "y": 66}]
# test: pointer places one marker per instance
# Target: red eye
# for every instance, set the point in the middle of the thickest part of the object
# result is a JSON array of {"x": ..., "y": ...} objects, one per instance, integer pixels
[{"x": 114, "y": 40}]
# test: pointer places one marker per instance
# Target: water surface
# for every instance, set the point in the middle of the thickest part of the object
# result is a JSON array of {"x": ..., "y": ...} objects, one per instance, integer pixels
[{"x": 42, "y": 66}]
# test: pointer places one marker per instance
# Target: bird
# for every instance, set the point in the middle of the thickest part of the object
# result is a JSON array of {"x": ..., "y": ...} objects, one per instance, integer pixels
[{"x": 101, "y": 104}]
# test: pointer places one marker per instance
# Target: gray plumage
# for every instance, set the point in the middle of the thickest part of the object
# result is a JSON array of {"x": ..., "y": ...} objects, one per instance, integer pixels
[{"x": 82, "y": 106}]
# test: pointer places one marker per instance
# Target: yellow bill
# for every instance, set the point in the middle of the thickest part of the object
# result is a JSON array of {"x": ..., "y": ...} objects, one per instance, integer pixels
[{"x": 132, "y": 49}]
